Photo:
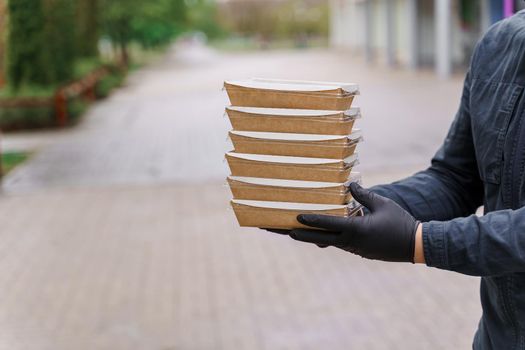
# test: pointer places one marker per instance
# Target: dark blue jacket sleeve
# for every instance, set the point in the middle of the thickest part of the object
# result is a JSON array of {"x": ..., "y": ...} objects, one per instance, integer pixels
[
  {"x": 451, "y": 187},
  {"x": 446, "y": 195},
  {"x": 491, "y": 245}
]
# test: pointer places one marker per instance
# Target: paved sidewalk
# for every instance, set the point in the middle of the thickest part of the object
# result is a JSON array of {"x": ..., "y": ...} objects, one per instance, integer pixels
[
  {"x": 117, "y": 233},
  {"x": 167, "y": 124},
  {"x": 166, "y": 267}
]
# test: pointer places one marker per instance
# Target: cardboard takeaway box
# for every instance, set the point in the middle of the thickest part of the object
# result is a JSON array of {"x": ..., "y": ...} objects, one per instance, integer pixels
[
  {"x": 271, "y": 93},
  {"x": 275, "y": 190},
  {"x": 300, "y": 121},
  {"x": 296, "y": 145},
  {"x": 282, "y": 215},
  {"x": 291, "y": 168}
]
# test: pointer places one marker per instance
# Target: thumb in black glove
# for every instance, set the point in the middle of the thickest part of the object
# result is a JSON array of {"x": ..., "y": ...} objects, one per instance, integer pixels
[{"x": 386, "y": 233}]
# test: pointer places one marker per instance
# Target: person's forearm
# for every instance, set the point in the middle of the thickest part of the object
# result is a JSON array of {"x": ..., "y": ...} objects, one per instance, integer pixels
[
  {"x": 452, "y": 186},
  {"x": 432, "y": 195},
  {"x": 490, "y": 245},
  {"x": 419, "y": 255}
]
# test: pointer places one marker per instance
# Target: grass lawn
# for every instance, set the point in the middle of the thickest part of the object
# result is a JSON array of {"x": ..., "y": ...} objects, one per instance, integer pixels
[{"x": 12, "y": 159}]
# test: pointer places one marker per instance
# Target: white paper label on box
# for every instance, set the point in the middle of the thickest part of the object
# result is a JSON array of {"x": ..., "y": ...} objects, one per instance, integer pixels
[
  {"x": 290, "y": 160},
  {"x": 290, "y": 137},
  {"x": 348, "y": 87},
  {"x": 288, "y": 206},
  {"x": 289, "y": 112},
  {"x": 284, "y": 183},
  {"x": 294, "y": 85}
]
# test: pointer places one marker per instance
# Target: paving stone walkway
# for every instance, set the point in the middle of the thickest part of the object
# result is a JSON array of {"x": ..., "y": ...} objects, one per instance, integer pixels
[
  {"x": 168, "y": 124},
  {"x": 117, "y": 235}
]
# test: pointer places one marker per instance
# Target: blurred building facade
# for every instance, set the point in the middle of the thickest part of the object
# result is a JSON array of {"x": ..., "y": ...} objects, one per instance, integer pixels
[{"x": 416, "y": 33}]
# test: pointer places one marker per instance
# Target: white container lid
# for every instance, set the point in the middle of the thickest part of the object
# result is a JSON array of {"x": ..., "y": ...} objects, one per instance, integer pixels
[
  {"x": 290, "y": 160},
  {"x": 288, "y": 205},
  {"x": 294, "y": 85},
  {"x": 356, "y": 133},
  {"x": 354, "y": 176},
  {"x": 290, "y": 112}
]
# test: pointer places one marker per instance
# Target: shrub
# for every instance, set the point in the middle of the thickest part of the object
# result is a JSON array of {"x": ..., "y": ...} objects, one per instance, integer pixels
[
  {"x": 16, "y": 118},
  {"x": 108, "y": 83}
]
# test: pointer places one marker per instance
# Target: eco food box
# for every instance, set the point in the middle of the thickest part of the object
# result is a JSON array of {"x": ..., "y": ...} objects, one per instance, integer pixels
[
  {"x": 282, "y": 215},
  {"x": 271, "y": 93},
  {"x": 274, "y": 190},
  {"x": 296, "y": 145},
  {"x": 291, "y": 168},
  {"x": 300, "y": 121}
]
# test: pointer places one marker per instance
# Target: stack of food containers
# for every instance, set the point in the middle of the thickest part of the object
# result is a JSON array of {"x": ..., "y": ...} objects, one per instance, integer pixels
[{"x": 294, "y": 150}]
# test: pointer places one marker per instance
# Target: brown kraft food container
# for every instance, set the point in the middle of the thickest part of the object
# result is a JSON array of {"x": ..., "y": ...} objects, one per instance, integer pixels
[
  {"x": 291, "y": 168},
  {"x": 275, "y": 190},
  {"x": 281, "y": 215},
  {"x": 291, "y": 94},
  {"x": 296, "y": 145},
  {"x": 300, "y": 121}
]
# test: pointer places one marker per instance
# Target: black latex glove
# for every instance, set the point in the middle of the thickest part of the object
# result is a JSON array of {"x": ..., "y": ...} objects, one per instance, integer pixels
[{"x": 386, "y": 233}]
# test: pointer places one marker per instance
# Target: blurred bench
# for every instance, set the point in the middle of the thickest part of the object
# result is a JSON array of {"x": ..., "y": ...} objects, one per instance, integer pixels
[
  {"x": 83, "y": 87},
  {"x": 1, "y": 169}
]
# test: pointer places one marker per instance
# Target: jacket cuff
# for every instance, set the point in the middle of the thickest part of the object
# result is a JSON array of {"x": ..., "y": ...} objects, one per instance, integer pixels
[{"x": 434, "y": 245}]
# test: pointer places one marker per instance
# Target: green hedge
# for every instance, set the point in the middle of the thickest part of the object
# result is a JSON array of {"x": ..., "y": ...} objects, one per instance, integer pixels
[
  {"x": 17, "y": 118},
  {"x": 108, "y": 83}
]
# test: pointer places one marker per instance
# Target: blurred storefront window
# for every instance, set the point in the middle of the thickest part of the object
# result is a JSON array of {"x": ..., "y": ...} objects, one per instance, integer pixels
[{"x": 416, "y": 33}]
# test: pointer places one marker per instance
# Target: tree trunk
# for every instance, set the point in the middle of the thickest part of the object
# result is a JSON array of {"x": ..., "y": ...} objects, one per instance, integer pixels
[{"x": 124, "y": 54}]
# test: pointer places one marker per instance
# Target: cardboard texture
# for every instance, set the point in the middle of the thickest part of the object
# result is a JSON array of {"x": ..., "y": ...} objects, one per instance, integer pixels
[
  {"x": 292, "y": 168},
  {"x": 302, "y": 145},
  {"x": 294, "y": 191},
  {"x": 263, "y": 214},
  {"x": 295, "y": 148},
  {"x": 292, "y": 121},
  {"x": 299, "y": 95},
  {"x": 251, "y": 214}
]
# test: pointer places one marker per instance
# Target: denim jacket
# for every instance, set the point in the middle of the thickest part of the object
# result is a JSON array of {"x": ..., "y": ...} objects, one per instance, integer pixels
[{"x": 481, "y": 162}]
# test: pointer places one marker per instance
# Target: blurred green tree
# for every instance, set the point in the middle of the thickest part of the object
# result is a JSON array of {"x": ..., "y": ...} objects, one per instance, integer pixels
[
  {"x": 150, "y": 23},
  {"x": 88, "y": 33},
  {"x": 45, "y": 37},
  {"x": 60, "y": 38},
  {"x": 276, "y": 19},
  {"x": 203, "y": 16},
  {"x": 158, "y": 22},
  {"x": 117, "y": 16},
  {"x": 3, "y": 30},
  {"x": 296, "y": 18},
  {"x": 26, "y": 55},
  {"x": 41, "y": 42}
]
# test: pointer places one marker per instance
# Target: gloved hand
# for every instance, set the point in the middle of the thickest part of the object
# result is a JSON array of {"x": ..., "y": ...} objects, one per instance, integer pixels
[{"x": 386, "y": 233}]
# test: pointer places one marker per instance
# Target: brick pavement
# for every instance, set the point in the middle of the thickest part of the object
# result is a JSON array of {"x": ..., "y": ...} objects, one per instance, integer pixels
[
  {"x": 167, "y": 124},
  {"x": 138, "y": 268},
  {"x": 116, "y": 235}
]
